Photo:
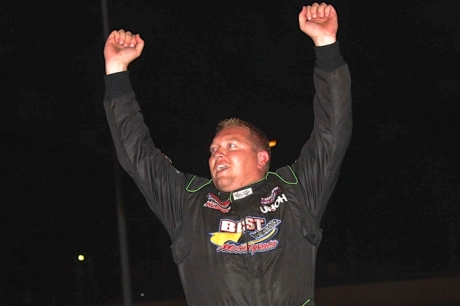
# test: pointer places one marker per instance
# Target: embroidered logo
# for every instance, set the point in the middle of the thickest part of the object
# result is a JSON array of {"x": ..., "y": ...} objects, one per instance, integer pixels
[
  {"x": 230, "y": 232},
  {"x": 270, "y": 199},
  {"x": 214, "y": 203},
  {"x": 242, "y": 193},
  {"x": 272, "y": 202}
]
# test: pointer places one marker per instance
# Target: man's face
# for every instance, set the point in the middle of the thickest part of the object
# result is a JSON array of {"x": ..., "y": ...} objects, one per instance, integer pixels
[{"x": 234, "y": 163}]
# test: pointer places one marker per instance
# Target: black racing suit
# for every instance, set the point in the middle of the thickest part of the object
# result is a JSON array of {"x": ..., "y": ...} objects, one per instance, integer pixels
[{"x": 256, "y": 245}]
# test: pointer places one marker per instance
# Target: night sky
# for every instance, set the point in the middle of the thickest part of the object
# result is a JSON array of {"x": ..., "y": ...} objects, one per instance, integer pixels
[{"x": 395, "y": 211}]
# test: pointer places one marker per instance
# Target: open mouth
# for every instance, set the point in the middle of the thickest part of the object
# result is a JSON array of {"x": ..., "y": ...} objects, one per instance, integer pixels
[{"x": 221, "y": 167}]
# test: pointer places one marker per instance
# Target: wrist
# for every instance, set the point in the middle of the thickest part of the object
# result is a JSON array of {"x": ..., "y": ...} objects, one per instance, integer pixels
[
  {"x": 324, "y": 40},
  {"x": 114, "y": 67}
]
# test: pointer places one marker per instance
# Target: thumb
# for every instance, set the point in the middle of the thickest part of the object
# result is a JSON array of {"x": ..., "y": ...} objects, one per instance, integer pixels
[
  {"x": 140, "y": 43},
  {"x": 303, "y": 15}
]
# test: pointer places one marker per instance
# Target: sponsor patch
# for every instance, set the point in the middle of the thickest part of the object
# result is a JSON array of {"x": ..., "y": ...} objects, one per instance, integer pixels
[
  {"x": 272, "y": 202},
  {"x": 215, "y": 203},
  {"x": 271, "y": 198},
  {"x": 242, "y": 193},
  {"x": 230, "y": 232}
]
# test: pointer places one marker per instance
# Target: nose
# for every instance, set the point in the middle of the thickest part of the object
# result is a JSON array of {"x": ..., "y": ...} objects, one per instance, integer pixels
[{"x": 218, "y": 154}]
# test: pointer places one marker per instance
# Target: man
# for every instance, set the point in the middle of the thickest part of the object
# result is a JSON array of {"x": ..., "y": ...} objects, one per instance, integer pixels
[{"x": 248, "y": 236}]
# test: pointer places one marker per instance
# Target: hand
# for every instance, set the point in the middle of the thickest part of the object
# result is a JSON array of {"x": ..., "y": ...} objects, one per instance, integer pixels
[
  {"x": 121, "y": 48},
  {"x": 320, "y": 22}
]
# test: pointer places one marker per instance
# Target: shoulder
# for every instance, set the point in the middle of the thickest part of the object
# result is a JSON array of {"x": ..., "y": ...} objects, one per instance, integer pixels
[
  {"x": 196, "y": 183},
  {"x": 285, "y": 174}
]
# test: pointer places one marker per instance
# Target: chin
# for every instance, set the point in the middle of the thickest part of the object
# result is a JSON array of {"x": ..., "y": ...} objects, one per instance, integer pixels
[{"x": 222, "y": 186}]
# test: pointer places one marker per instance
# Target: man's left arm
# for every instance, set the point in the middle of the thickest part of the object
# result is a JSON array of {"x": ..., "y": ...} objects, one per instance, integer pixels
[{"x": 319, "y": 163}]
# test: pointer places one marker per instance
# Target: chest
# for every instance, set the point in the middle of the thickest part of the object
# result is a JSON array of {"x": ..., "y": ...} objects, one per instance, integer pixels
[{"x": 258, "y": 222}]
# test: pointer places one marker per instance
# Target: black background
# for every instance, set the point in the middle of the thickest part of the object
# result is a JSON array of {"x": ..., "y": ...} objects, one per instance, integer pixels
[{"x": 394, "y": 213}]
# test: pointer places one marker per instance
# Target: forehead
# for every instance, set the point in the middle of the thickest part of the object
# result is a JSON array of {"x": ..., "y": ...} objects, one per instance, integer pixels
[{"x": 232, "y": 133}]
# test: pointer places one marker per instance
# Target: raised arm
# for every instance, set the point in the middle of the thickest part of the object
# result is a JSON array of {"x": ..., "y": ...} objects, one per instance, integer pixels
[
  {"x": 160, "y": 183},
  {"x": 319, "y": 163}
]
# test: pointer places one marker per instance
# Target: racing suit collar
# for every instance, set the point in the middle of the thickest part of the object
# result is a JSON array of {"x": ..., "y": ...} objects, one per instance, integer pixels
[{"x": 246, "y": 191}]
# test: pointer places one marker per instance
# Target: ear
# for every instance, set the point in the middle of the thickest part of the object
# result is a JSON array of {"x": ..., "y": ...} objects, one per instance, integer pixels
[{"x": 262, "y": 159}]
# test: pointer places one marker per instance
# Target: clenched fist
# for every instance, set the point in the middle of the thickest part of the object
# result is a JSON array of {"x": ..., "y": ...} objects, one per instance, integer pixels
[
  {"x": 320, "y": 22},
  {"x": 121, "y": 48}
]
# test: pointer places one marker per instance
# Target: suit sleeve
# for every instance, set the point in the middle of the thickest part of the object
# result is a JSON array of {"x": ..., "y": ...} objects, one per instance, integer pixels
[
  {"x": 319, "y": 163},
  {"x": 160, "y": 183}
]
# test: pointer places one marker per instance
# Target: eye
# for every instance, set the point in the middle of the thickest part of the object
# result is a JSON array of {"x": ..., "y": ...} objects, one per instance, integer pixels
[
  {"x": 231, "y": 145},
  {"x": 212, "y": 150}
]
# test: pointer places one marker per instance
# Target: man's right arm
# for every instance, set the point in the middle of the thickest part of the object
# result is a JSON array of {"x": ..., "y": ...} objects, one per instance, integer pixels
[{"x": 160, "y": 183}]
